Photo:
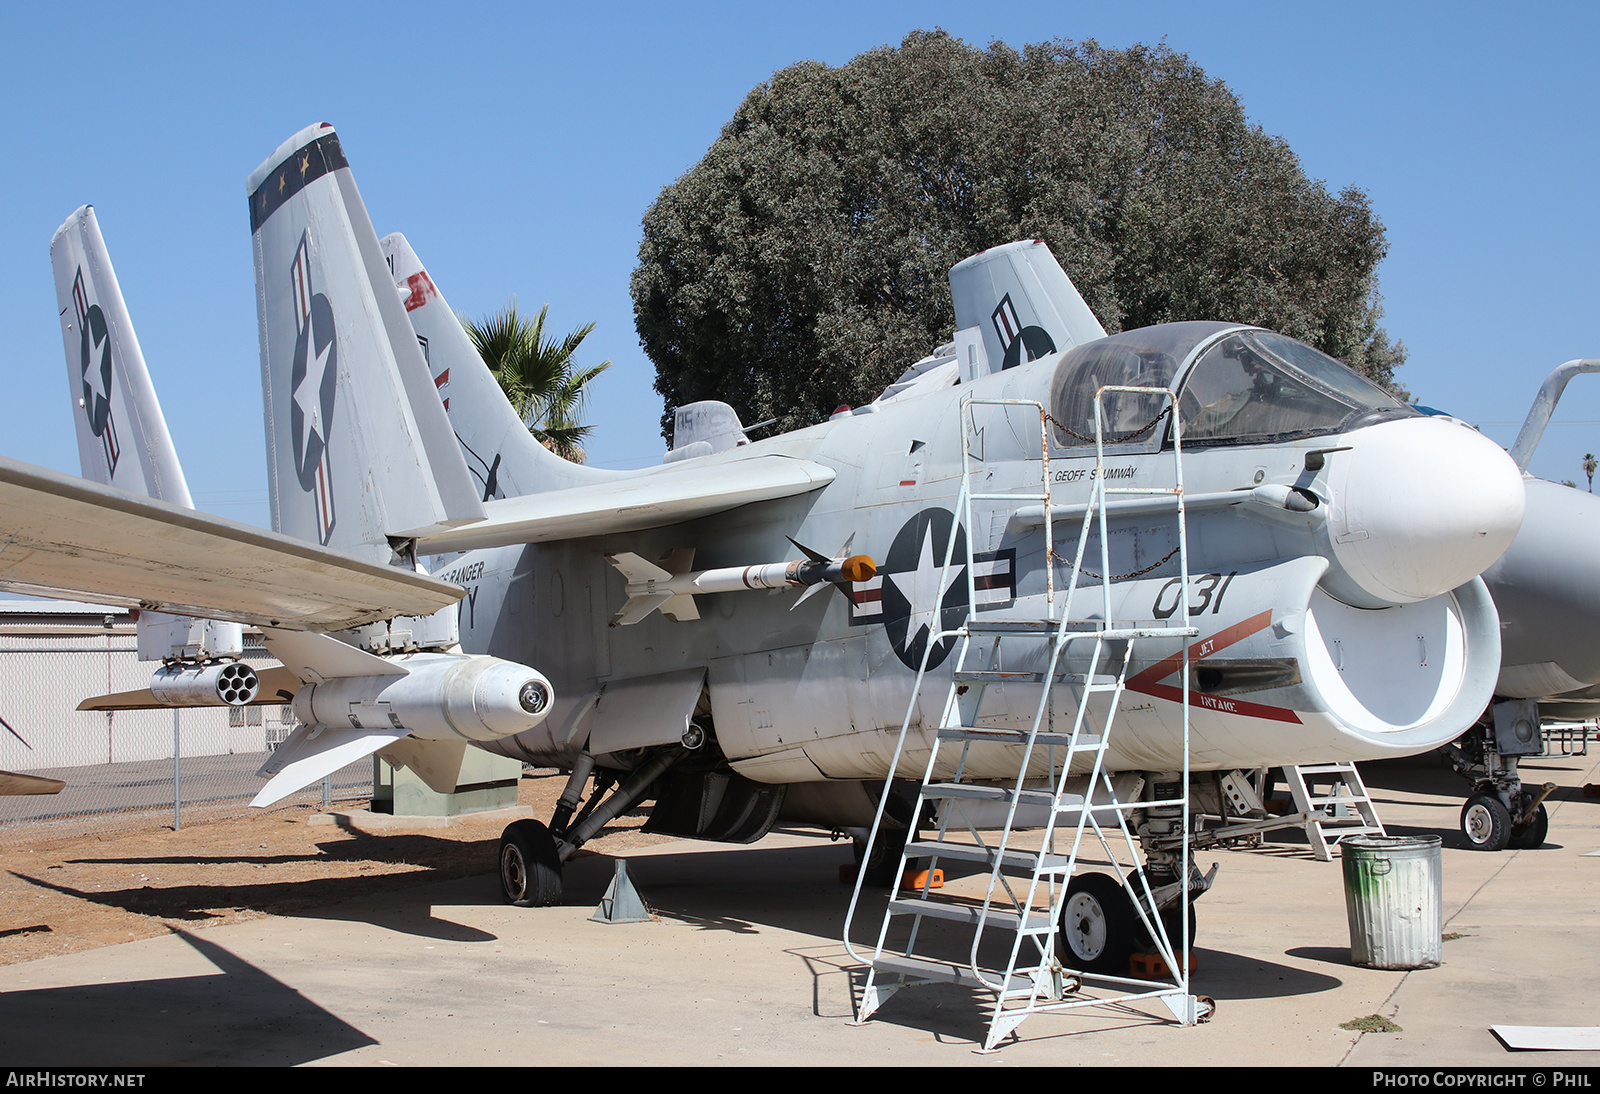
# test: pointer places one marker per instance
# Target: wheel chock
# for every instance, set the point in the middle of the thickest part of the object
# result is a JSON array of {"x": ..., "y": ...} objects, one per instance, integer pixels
[
  {"x": 911, "y": 879},
  {"x": 1151, "y": 966}
]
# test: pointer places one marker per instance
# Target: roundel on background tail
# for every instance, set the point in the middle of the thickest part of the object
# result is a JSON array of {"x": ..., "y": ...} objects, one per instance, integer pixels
[
  {"x": 95, "y": 353},
  {"x": 920, "y": 595}
]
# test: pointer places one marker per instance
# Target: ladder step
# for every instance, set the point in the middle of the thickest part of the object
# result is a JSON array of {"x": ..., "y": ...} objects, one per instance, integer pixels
[
  {"x": 1044, "y": 628},
  {"x": 967, "y": 852},
  {"x": 1022, "y": 626},
  {"x": 974, "y": 792},
  {"x": 1152, "y": 631},
  {"x": 969, "y": 914},
  {"x": 1086, "y": 742},
  {"x": 987, "y": 676},
  {"x": 1326, "y": 769},
  {"x": 924, "y": 968}
]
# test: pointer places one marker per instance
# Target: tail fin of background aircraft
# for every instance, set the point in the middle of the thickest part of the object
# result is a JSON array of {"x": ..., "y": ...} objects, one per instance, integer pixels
[
  {"x": 1023, "y": 302},
  {"x": 501, "y": 454},
  {"x": 359, "y": 451},
  {"x": 122, "y": 434}
]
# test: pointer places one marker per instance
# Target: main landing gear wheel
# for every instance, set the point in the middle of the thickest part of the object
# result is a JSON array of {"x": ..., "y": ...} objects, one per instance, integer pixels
[
  {"x": 1531, "y": 835},
  {"x": 880, "y": 865},
  {"x": 1098, "y": 925},
  {"x": 1172, "y": 920},
  {"x": 1486, "y": 823},
  {"x": 530, "y": 867}
]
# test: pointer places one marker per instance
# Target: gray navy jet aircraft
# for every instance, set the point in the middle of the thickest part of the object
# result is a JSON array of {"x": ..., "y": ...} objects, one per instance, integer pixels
[
  {"x": 1547, "y": 590},
  {"x": 654, "y": 632}
]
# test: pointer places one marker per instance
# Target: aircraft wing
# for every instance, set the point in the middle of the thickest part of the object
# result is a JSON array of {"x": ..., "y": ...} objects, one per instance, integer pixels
[
  {"x": 676, "y": 493},
  {"x": 65, "y": 536},
  {"x": 13, "y": 783}
]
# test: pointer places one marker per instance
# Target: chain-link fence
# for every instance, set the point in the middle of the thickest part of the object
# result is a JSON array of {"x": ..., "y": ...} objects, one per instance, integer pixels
[{"x": 119, "y": 766}]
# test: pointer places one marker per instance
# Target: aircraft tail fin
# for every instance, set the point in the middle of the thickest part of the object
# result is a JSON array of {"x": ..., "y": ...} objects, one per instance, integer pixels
[
  {"x": 703, "y": 428},
  {"x": 359, "y": 451},
  {"x": 500, "y": 453},
  {"x": 1023, "y": 303},
  {"x": 122, "y": 435}
]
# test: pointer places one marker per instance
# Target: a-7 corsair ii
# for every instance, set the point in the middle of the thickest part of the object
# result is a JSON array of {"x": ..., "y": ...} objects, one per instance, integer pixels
[{"x": 1334, "y": 542}]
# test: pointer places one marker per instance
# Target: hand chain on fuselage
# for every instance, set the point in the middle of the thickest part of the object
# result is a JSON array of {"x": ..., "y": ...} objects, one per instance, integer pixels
[
  {"x": 1119, "y": 577},
  {"x": 1109, "y": 440}
]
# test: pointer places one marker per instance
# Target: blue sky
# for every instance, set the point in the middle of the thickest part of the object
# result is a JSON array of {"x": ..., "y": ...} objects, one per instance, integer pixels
[{"x": 518, "y": 147}]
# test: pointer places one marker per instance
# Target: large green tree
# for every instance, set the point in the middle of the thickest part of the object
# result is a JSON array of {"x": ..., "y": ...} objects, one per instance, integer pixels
[
  {"x": 538, "y": 374},
  {"x": 802, "y": 262}
]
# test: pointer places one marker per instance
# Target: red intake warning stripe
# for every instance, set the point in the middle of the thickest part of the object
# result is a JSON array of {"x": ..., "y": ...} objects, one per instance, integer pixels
[{"x": 1146, "y": 682}]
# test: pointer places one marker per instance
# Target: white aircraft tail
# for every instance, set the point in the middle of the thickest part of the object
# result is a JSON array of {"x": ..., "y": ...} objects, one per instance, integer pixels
[
  {"x": 500, "y": 453},
  {"x": 1022, "y": 301},
  {"x": 122, "y": 435},
  {"x": 360, "y": 454}
]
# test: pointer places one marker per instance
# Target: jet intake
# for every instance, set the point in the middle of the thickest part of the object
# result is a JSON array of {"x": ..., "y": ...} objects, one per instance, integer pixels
[
  {"x": 219, "y": 684},
  {"x": 441, "y": 697}
]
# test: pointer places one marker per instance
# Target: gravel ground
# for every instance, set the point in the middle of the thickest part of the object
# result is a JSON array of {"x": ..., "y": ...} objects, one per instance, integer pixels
[{"x": 67, "y": 895}]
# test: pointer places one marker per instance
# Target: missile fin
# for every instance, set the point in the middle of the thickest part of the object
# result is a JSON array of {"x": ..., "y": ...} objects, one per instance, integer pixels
[
  {"x": 314, "y": 751},
  {"x": 638, "y": 607},
  {"x": 681, "y": 607}
]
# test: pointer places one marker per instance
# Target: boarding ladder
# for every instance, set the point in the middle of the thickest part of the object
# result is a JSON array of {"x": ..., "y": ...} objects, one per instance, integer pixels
[
  {"x": 1046, "y": 833},
  {"x": 1342, "y": 810}
]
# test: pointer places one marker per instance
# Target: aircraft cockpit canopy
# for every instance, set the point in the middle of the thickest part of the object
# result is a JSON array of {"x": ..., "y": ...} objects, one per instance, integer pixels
[
  {"x": 1148, "y": 357},
  {"x": 1249, "y": 387},
  {"x": 1255, "y": 386}
]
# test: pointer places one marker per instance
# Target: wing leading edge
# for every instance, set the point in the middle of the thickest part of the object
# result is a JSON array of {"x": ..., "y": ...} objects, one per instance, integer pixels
[
  {"x": 678, "y": 492},
  {"x": 65, "y": 536}
]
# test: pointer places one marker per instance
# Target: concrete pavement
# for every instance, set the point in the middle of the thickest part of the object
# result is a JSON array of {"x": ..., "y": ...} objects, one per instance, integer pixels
[{"x": 744, "y": 966}]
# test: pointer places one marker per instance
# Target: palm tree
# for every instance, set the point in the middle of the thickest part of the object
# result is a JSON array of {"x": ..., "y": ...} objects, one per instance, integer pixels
[
  {"x": 544, "y": 384},
  {"x": 1590, "y": 466}
]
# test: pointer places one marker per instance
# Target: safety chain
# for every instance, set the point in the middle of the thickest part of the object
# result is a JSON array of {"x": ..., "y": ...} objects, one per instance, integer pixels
[
  {"x": 1109, "y": 440},
  {"x": 1120, "y": 577}
]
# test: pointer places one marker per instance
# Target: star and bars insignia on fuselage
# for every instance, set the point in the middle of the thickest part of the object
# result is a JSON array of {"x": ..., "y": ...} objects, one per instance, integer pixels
[{"x": 913, "y": 594}]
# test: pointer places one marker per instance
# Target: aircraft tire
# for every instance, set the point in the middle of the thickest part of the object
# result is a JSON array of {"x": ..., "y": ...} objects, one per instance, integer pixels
[
  {"x": 885, "y": 858},
  {"x": 1172, "y": 920},
  {"x": 1532, "y": 834},
  {"x": 1486, "y": 823},
  {"x": 1098, "y": 925},
  {"x": 530, "y": 867}
]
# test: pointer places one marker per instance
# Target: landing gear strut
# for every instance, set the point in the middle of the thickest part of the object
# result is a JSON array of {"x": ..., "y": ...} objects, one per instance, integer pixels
[
  {"x": 1502, "y": 812},
  {"x": 1101, "y": 923}
]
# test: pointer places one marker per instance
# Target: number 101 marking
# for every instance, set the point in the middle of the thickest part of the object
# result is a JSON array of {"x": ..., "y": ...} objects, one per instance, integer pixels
[{"x": 1205, "y": 585}]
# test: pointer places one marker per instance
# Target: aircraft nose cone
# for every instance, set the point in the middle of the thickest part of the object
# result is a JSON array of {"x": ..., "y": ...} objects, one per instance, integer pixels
[{"x": 1420, "y": 506}]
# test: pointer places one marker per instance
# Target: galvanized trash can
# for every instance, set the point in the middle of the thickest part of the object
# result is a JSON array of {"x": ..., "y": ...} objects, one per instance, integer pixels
[{"x": 1394, "y": 895}]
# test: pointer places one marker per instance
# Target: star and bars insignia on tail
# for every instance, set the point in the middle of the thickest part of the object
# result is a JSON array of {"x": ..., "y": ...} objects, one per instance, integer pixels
[
  {"x": 313, "y": 381},
  {"x": 94, "y": 342}
]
